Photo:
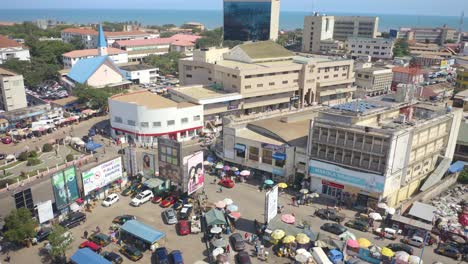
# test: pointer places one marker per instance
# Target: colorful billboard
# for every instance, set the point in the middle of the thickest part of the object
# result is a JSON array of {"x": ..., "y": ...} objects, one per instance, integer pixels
[
  {"x": 102, "y": 175},
  {"x": 147, "y": 164},
  {"x": 195, "y": 172},
  {"x": 65, "y": 187},
  {"x": 169, "y": 160}
]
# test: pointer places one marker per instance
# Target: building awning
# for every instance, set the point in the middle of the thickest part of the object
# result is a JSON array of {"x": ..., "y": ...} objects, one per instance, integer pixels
[
  {"x": 422, "y": 211},
  {"x": 215, "y": 217},
  {"x": 153, "y": 183},
  {"x": 457, "y": 166},
  {"x": 142, "y": 231},
  {"x": 92, "y": 146},
  {"x": 411, "y": 222},
  {"x": 279, "y": 156},
  {"x": 86, "y": 256},
  {"x": 240, "y": 147},
  {"x": 437, "y": 175}
]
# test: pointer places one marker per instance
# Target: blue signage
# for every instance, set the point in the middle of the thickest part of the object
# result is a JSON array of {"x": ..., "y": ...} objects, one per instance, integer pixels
[{"x": 278, "y": 172}]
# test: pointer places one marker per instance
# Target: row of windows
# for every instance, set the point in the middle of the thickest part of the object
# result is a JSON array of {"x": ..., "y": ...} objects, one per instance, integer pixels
[
  {"x": 254, "y": 155},
  {"x": 336, "y": 68},
  {"x": 260, "y": 85},
  {"x": 334, "y": 76},
  {"x": 184, "y": 120},
  {"x": 270, "y": 74},
  {"x": 368, "y": 47}
]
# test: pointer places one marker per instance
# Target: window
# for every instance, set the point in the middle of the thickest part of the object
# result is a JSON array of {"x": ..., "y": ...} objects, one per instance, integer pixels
[
  {"x": 260, "y": 85},
  {"x": 271, "y": 84},
  {"x": 280, "y": 163},
  {"x": 188, "y": 75},
  {"x": 131, "y": 123},
  {"x": 253, "y": 153},
  {"x": 285, "y": 82},
  {"x": 296, "y": 80},
  {"x": 327, "y": 69},
  {"x": 156, "y": 124},
  {"x": 376, "y": 53},
  {"x": 144, "y": 124},
  {"x": 267, "y": 156},
  {"x": 337, "y": 68},
  {"x": 196, "y": 118},
  {"x": 184, "y": 120},
  {"x": 210, "y": 79},
  {"x": 240, "y": 153},
  {"x": 325, "y": 77},
  {"x": 234, "y": 76},
  {"x": 234, "y": 86},
  {"x": 188, "y": 68},
  {"x": 170, "y": 122},
  {"x": 248, "y": 86},
  {"x": 335, "y": 75},
  {"x": 344, "y": 74},
  {"x": 118, "y": 119}
]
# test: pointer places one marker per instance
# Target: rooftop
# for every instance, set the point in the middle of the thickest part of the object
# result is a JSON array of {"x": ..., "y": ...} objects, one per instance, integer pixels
[
  {"x": 5, "y": 42},
  {"x": 408, "y": 70},
  {"x": 204, "y": 94},
  {"x": 137, "y": 67},
  {"x": 90, "y": 31},
  {"x": 265, "y": 50},
  {"x": 144, "y": 42},
  {"x": 4, "y": 72},
  {"x": 148, "y": 100},
  {"x": 91, "y": 52},
  {"x": 65, "y": 101},
  {"x": 373, "y": 69}
]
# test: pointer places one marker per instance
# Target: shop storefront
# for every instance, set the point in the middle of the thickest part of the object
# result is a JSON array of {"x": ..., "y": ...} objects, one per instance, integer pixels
[{"x": 98, "y": 180}]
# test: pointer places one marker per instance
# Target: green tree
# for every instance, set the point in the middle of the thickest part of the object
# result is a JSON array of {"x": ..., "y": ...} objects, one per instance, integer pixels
[
  {"x": 47, "y": 147},
  {"x": 20, "y": 226},
  {"x": 210, "y": 38},
  {"x": 77, "y": 43},
  {"x": 463, "y": 177},
  {"x": 33, "y": 162},
  {"x": 167, "y": 63},
  {"x": 166, "y": 34},
  {"x": 110, "y": 26},
  {"x": 401, "y": 48},
  {"x": 69, "y": 157},
  {"x": 94, "y": 98},
  {"x": 169, "y": 26},
  {"x": 34, "y": 72},
  {"x": 60, "y": 241}
]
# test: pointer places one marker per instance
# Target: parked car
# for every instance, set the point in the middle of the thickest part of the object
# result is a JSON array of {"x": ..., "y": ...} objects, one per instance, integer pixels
[
  {"x": 142, "y": 198},
  {"x": 6, "y": 140},
  {"x": 358, "y": 225},
  {"x": 112, "y": 257},
  {"x": 226, "y": 182},
  {"x": 122, "y": 219},
  {"x": 178, "y": 204},
  {"x": 334, "y": 228},
  {"x": 131, "y": 252},
  {"x": 161, "y": 255},
  {"x": 100, "y": 239},
  {"x": 74, "y": 219},
  {"x": 159, "y": 197},
  {"x": 170, "y": 216},
  {"x": 176, "y": 257},
  {"x": 183, "y": 228},
  {"x": 186, "y": 211},
  {"x": 91, "y": 245},
  {"x": 448, "y": 250},
  {"x": 400, "y": 247},
  {"x": 414, "y": 241},
  {"x": 389, "y": 233},
  {"x": 2, "y": 156},
  {"x": 243, "y": 258},
  {"x": 237, "y": 242},
  {"x": 42, "y": 235},
  {"x": 110, "y": 200},
  {"x": 168, "y": 201},
  {"x": 330, "y": 214},
  {"x": 132, "y": 189}
]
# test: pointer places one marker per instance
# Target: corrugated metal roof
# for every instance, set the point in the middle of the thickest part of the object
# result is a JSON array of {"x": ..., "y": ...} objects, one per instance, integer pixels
[
  {"x": 87, "y": 256},
  {"x": 142, "y": 231},
  {"x": 83, "y": 69},
  {"x": 436, "y": 175},
  {"x": 422, "y": 211},
  {"x": 264, "y": 50}
]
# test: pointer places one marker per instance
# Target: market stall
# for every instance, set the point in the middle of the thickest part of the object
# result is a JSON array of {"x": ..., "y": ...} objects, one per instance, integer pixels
[
  {"x": 141, "y": 235},
  {"x": 86, "y": 256}
]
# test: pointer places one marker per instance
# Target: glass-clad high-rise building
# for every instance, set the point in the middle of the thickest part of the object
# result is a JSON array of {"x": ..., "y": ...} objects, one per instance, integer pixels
[{"x": 251, "y": 20}]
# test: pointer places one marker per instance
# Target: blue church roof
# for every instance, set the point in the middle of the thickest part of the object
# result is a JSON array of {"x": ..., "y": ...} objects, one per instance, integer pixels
[
  {"x": 102, "y": 43},
  {"x": 84, "y": 68}
]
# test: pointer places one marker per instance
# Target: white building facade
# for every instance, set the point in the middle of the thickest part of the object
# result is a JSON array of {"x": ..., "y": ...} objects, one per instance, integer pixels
[
  {"x": 140, "y": 73},
  {"x": 72, "y": 57},
  {"x": 377, "y": 48},
  {"x": 12, "y": 93},
  {"x": 10, "y": 49},
  {"x": 143, "y": 116}
]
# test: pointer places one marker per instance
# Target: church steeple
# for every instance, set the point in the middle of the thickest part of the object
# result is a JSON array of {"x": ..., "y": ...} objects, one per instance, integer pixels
[{"x": 102, "y": 43}]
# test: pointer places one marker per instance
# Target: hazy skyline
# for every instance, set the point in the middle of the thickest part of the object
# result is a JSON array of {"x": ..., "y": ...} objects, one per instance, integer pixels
[{"x": 420, "y": 7}]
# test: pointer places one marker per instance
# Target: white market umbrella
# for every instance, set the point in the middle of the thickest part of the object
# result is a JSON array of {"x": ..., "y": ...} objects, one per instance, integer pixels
[
  {"x": 347, "y": 236},
  {"x": 245, "y": 173},
  {"x": 232, "y": 208},
  {"x": 220, "y": 204},
  {"x": 415, "y": 260},
  {"x": 302, "y": 258},
  {"x": 390, "y": 210},
  {"x": 219, "y": 166},
  {"x": 207, "y": 163},
  {"x": 304, "y": 191},
  {"x": 217, "y": 252},
  {"x": 219, "y": 243},
  {"x": 228, "y": 201},
  {"x": 382, "y": 205},
  {"x": 375, "y": 216},
  {"x": 401, "y": 255},
  {"x": 216, "y": 230}
]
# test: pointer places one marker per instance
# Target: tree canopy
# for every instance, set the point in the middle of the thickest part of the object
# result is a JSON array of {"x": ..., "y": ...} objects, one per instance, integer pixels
[
  {"x": 210, "y": 38},
  {"x": 59, "y": 241},
  {"x": 28, "y": 29},
  {"x": 463, "y": 177},
  {"x": 167, "y": 63},
  {"x": 94, "y": 98},
  {"x": 401, "y": 48},
  {"x": 20, "y": 225}
]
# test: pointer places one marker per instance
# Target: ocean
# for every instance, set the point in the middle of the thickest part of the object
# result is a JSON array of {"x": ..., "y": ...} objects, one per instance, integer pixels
[{"x": 211, "y": 18}]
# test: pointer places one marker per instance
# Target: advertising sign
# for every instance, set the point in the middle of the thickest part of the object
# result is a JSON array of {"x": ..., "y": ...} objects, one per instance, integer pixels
[
  {"x": 271, "y": 204},
  {"x": 366, "y": 181},
  {"x": 45, "y": 211},
  {"x": 274, "y": 148},
  {"x": 71, "y": 184},
  {"x": 169, "y": 160},
  {"x": 147, "y": 164},
  {"x": 60, "y": 190},
  {"x": 195, "y": 172},
  {"x": 130, "y": 161},
  {"x": 102, "y": 175}
]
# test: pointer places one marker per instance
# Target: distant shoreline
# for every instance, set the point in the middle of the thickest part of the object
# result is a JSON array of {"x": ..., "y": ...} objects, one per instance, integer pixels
[{"x": 211, "y": 18}]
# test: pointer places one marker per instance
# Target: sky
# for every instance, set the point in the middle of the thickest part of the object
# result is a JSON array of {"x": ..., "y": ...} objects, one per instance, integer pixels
[{"x": 420, "y": 7}]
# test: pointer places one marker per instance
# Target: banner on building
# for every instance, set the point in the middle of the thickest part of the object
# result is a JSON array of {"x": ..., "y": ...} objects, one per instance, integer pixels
[
  {"x": 65, "y": 187},
  {"x": 195, "y": 175},
  {"x": 71, "y": 184},
  {"x": 102, "y": 175},
  {"x": 45, "y": 211},
  {"x": 148, "y": 164},
  {"x": 169, "y": 160},
  {"x": 130, "y": 161},
  {"x": 271, "y": 204}
]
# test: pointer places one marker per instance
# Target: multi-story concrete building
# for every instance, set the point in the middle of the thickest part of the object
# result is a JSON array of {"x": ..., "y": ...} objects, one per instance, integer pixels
[
  {"x": 269, "y": 77},
  {"x": 140, "y": 73},
  {"x": 376, "y": 150},
  {"x": 462, "y": 77},
  {"x": 11, "y": 49},
  {"x": 355, "y": 26},
  {"x": 373, "y": 81},
  {"x": 461, "y": 151},
  {"x": 251, "y": 20},
  {"x": 12, "y": 93},
  {"x": 407, "y": 75},
  {"x": 72, "y": 57},
  {"x": 143, "y": 116},
  {"x": 89, "y": 36},
  {"x": 438, "y": 35},
  {"x": 377, "y": 48},
  {"x": 317, "y": 29}
]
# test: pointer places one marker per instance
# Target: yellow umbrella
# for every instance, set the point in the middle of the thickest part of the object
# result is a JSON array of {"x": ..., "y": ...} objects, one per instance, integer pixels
[
  {"x": 302, "y": 238},
  {"x": 277, "y": 234},
  {"x": 364, "y": 243},
  {"x": 387, "y": 252},
  {"x": 288, "y": 239},
  {"x": 282, "y": 185}
]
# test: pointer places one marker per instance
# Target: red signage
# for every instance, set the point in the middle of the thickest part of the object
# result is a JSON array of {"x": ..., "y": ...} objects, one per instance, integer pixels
[{"x": 332, "y": 184}]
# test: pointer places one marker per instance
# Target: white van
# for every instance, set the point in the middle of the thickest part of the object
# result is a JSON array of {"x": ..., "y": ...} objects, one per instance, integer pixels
[{"x": 319, "y": 256}]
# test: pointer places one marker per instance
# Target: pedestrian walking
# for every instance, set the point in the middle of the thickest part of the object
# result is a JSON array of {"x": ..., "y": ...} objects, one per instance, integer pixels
[
  {"x": 220, "y": 189},
  {"x": 98, "y": 230},
  {"x": 85, "y": 234},
  {"x": 256, "y": 250},
  {"x": 293, "y": 200},
  {"x": 228, "y": 249}
]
